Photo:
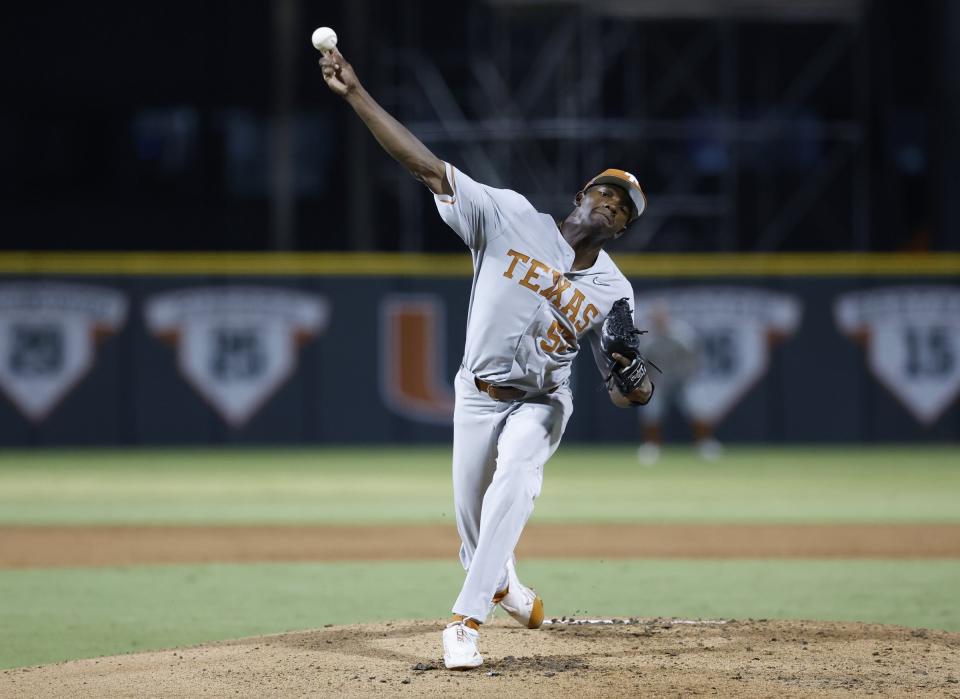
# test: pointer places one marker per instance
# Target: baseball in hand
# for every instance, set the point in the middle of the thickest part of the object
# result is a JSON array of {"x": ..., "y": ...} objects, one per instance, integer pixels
[{"x": 324, "y": 39}]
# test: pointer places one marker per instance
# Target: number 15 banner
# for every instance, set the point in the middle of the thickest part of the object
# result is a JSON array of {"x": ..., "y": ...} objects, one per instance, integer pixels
[{"x": 912, "y": 336}]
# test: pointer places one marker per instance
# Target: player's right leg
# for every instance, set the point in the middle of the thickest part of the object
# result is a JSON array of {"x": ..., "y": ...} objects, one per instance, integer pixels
[
  {"x": 477, "y": 422},
  {"x": 529, "y": 437},
  {"x": 651, "y": 418}
]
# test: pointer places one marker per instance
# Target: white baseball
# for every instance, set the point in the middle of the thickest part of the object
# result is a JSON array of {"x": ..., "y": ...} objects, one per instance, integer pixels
[{"x": 324, "y": 39}]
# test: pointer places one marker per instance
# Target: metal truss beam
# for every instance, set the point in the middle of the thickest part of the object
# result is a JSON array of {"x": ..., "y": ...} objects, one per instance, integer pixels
[{"x": 542, "y": 125}]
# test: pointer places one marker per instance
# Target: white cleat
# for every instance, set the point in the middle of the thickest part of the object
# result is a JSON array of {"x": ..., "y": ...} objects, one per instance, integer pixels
[
  {"x": 710, "y": 449},
  {"x": 460, "y": 647},
  {"x": 648, "y": 453},
  {"x": 519, "y": 601}
]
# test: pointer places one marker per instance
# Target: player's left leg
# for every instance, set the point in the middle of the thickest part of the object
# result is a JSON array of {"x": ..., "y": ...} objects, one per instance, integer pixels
[{"x": 530, "y": 436}]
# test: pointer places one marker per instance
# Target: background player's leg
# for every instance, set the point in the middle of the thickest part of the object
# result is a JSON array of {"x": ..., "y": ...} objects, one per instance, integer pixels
[
  {"x": 528, "y": 439},
  {"x": 477, "y": 422},
  {"x": 651, "y": 418}
]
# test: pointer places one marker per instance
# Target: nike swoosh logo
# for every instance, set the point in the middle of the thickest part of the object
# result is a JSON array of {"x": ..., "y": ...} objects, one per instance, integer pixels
[{"x": 598, "y": 282}]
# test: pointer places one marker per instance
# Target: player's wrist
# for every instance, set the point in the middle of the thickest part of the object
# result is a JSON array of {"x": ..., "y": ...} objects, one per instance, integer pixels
[
  {"x": 642, "y": 394},
  {"x": 356, "y": 96}
]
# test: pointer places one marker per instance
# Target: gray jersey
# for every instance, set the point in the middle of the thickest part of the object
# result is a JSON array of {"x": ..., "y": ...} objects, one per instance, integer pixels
[{"x": 528, "y": 312}]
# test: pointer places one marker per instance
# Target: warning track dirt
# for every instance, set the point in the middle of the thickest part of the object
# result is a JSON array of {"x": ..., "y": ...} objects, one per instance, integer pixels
[{"x": 55, "y": 546}]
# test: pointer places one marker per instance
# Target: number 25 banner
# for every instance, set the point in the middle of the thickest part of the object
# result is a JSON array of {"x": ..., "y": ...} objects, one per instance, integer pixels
[
  {"x": 237, "y": 344},
  {"x": 912, "y": 337}
]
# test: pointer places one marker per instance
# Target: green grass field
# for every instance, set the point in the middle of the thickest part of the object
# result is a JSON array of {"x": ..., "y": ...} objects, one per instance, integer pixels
[
  {"x": 55, "y": 614},
  {"x": 884, "y": 484}
]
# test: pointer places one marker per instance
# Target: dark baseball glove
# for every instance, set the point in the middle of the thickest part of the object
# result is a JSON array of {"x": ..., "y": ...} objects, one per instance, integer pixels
[{"x": 619, "y": 336}]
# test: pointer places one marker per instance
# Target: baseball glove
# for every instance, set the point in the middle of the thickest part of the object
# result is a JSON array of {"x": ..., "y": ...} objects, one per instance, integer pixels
[{"x": 619, "y": 336}]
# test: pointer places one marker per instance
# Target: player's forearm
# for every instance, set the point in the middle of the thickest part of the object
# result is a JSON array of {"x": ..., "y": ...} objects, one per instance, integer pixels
[
  {"x": 396, "y": 139},
  {"x": 641, "y": 396}
]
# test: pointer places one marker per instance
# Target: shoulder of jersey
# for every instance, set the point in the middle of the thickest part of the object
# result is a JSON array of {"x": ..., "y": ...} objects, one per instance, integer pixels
[
  {"x": 514, "y": 197},
  {"x": 615, "y": 276}
]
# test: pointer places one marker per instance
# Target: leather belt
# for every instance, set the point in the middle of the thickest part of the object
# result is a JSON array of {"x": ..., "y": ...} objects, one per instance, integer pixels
[{"x": 502, "y": 393}]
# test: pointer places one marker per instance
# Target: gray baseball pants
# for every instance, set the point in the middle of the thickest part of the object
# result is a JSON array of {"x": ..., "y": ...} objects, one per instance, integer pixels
[{"x": 499, "y": 450}]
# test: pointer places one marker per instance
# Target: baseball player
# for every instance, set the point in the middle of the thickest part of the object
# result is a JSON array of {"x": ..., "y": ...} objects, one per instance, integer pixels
[
  {"x": 674, "y": 346},
  {"x": 539, "y": 289}
]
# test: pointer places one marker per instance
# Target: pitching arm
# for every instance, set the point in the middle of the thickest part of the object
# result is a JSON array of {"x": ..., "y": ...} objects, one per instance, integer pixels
[{"x": 396, "y": 139}]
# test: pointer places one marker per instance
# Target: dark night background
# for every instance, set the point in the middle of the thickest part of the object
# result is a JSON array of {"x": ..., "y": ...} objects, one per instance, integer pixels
[{"x": 151, "y": 126}]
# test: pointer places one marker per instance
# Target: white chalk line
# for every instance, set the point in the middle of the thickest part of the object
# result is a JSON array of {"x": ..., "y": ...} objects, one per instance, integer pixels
[{"x": 627, "y": 622}]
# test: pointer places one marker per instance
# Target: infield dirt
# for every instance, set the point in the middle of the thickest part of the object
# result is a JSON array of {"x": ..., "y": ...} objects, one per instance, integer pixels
[
  {"x": 641, "y": 657},
  {"x": 638, "y": 657}
]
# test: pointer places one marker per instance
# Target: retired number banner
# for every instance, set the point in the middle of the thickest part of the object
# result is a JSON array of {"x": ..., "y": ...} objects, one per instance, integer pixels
[{"x": 912, "y": 339}]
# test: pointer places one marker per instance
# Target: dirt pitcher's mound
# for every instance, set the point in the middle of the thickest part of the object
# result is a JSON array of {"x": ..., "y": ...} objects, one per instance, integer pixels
[{"x": 649, "y": 657}]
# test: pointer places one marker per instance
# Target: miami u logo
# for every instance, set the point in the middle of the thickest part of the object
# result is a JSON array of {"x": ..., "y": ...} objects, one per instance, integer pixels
[{"x": 413, "y": 358}]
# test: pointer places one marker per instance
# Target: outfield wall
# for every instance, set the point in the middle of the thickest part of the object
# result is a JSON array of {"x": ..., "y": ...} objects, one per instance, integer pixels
[{"x": 105, "y": 349}]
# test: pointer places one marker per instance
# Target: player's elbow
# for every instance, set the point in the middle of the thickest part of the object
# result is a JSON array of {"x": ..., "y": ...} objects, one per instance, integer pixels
[
  {"x": 433, "y": 175},
  {"x": 428, "y": 180}
]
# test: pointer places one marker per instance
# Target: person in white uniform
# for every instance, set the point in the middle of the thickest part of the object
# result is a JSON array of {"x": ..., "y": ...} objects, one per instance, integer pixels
[
  {"x": 539, "y": 289},
  {"x": 673, "y": 346}
]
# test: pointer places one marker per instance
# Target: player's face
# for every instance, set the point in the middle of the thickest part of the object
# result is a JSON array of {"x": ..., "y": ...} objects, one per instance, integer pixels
[{"x": 606, "y": 206}]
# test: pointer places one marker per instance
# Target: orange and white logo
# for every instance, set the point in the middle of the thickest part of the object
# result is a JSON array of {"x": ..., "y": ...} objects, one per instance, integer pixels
[{"x": 413, "y": 358}]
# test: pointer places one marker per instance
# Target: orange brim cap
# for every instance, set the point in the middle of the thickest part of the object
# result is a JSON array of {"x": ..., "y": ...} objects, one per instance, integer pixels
[{"x": 623, "y": 179}]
